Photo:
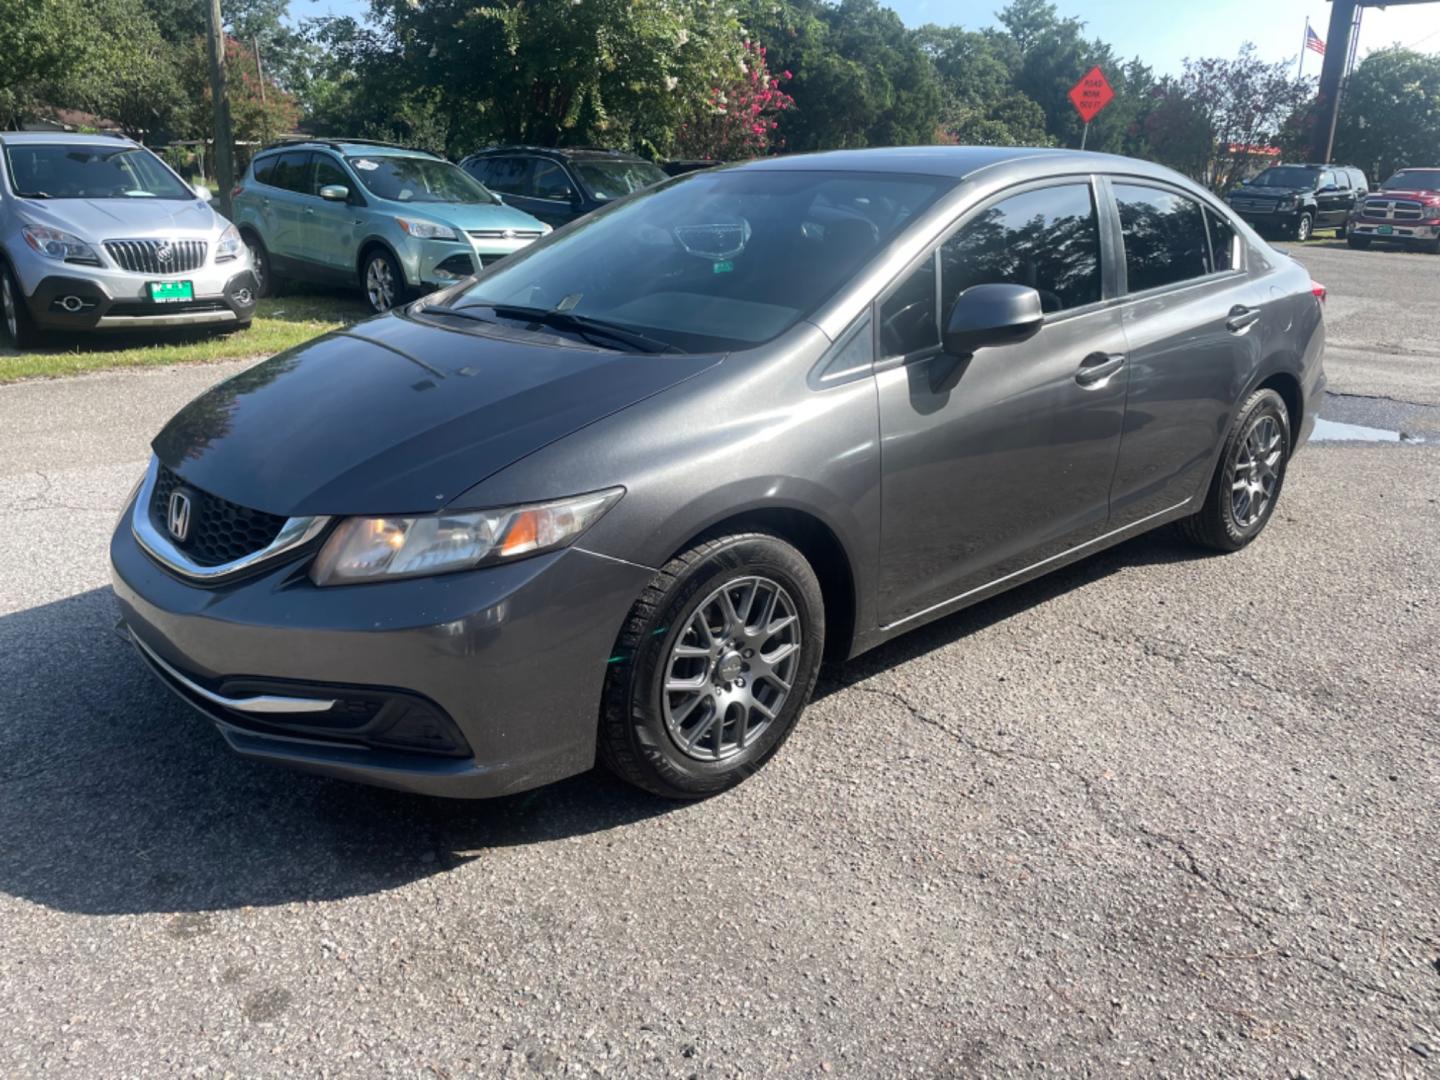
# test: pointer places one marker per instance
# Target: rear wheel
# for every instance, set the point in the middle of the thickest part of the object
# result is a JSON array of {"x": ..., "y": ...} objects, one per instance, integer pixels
[
  {"x": 715, "y": 663},
  {"x": 266, "y": 281},
  {"x": 15, "y": 322},
  {"x": 383, "y": 282},
  {"x": 1304, "y": 226},
  {"x": 1248, "y": 480}
]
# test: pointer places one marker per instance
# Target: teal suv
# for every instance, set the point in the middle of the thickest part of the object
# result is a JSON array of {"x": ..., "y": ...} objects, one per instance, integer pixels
[{"x": 395, "y": 221}]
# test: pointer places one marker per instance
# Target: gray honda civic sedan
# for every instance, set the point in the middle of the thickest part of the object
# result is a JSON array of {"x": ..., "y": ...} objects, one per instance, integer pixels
[{"x": 618, "y": 495}]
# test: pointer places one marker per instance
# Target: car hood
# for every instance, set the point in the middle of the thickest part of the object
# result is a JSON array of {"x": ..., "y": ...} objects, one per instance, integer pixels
[
  {"x": 395, "y": 416},
  {"x": 1418, "y": 194},
  {"x": 476, "y": 216},
  {"x": 123, "y": 219}
]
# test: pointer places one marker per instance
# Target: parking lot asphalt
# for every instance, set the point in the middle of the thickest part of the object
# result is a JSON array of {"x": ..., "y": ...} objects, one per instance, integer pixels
[{"x": 1160, "y": 814}]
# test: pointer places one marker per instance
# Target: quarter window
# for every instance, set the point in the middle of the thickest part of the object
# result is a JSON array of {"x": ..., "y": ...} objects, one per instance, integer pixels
[
  {"x": 265, "y": 169},
  {"x": 1223, "y": 242},
  {"x": 1164, "y": 235}
]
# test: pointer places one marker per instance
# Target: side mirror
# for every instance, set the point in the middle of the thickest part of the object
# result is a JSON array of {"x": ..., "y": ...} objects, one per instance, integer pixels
[
  {"x": 202, "y": 192},
  {"x": 997, "y": 314},
  {"x": 334, "y": 192},
  {"x": 1245, "y": 182}
]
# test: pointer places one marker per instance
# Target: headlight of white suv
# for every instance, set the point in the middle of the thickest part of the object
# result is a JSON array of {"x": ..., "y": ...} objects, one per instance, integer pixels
[
  {"x": 229, "y": 246},
  {"x": 426, "y": 230},
  {"x": 385, "y": 548},
  {"x": 54, "y": 244}
]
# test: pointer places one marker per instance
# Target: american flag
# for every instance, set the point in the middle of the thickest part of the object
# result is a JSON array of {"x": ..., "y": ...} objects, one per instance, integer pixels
[{"x": 1313, "y": 41}]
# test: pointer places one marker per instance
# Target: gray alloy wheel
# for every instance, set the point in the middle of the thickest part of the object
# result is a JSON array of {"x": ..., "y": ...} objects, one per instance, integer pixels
[
  {"x": 382, "y": 282},
  {"x": 730, "y": 672},
  {"x": 1259, "y": 460},
  {"x": 1304, "y": 227},
  {"x": 260, "y": 266}
]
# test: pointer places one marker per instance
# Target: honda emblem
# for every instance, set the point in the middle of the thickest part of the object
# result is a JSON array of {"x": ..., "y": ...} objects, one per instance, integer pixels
[{"x": 178, "y": 518}]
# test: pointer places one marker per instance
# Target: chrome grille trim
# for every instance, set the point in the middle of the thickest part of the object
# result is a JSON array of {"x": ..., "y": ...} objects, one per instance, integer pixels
[
  {"x": 1393, "y": 210},
  {"x": 499, "y": 234},
  {"x": 296, "y": 532},
  {"x": 143, "y": 256}
]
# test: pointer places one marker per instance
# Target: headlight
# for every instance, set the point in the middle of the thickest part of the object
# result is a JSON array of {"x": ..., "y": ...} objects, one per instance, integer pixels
[
  {"x": 54, "y": 244},
  {"x": 1289, "y": 204},
  {"x": 427, "y": 230},
  {"x": 229, "y": 246},
  {"x": 382, "y": 548}
]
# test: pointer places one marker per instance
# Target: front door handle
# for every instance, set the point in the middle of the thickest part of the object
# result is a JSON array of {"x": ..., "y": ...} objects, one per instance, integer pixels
[
  {"x": 1240, "y": 318},
  {"x": 1096, "y": 368}
]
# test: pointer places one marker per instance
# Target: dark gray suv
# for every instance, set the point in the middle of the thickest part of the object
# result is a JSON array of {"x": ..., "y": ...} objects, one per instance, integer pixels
[{"x": 619, "y": 494}]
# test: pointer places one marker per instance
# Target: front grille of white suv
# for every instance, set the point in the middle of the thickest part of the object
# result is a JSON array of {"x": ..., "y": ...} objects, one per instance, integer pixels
[{"x": 157, "y": 256}]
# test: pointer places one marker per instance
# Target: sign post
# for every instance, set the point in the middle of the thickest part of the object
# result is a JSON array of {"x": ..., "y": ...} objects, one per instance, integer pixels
[{"x": 1091, "y": 94}]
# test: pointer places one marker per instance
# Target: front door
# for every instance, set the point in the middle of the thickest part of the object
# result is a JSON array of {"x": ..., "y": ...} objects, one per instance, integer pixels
[
  {"x": 331, "y": 224},
  {"x": 552, "y": 193},
  {"x": 992, "y": 464}
]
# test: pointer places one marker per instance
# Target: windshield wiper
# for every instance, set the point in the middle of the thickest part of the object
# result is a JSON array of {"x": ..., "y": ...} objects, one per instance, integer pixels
[
  {"x": 584, "y": 325},
  {"x": 32, "y": 195}
]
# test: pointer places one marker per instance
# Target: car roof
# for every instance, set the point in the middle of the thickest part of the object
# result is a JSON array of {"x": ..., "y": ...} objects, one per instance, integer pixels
[
  {"x": 957, "y": 161},
  {"x": 572, "y": 152},
  {"x": 66, "y": 138},
  {"x": 349, "y": 147}
]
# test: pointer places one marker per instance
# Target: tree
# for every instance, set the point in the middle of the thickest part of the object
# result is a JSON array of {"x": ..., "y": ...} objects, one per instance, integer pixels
[
  {"x": 255, "y": 116},
  {"x": 738, "y": 120},
  {"x": 982, "y": 106},
  {"x": 1390, "y": 113},
  {"x": 41, "y": 47}
]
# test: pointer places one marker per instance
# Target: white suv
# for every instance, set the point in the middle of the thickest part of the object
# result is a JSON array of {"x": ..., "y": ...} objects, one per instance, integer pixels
[{"x": 97, "y": 233}]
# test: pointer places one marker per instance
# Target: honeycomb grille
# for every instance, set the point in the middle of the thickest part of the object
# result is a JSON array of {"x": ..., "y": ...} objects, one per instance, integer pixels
[{"x": 220, "y": 531}]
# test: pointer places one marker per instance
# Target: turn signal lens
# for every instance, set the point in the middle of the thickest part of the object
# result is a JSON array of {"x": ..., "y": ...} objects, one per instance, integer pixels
[
  {"x": 378, "y": 549},
  {"x": 1318, "y": 291}
]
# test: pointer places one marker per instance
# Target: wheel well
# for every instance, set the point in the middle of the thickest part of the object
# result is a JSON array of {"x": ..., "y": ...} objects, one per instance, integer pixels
[
  {"x": 822, "y": 550},
  {"x": 1288, "y": 387},
  {"x": 365, "y": 250}
]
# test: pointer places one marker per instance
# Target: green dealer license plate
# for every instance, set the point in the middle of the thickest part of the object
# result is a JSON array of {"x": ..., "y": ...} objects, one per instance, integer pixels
[
  {"x": 1384, "y": 230},
  {"x": 171, "y": 292}
]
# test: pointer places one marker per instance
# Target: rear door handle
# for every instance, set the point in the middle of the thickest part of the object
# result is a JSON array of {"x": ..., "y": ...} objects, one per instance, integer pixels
[
  {"x": 1240, "y": 318},
  {"x": 1096, "y": 368}
]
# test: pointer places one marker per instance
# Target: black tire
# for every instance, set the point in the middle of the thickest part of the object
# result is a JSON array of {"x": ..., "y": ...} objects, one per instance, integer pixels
[
  {"x": 244, "y": 325},
  {"x": 16, "y": 325},
  {"x": 1359, "y": 243},
  {"x": 376, "y": 258},
  {"x": 1340, "y": 231},
  {"x": 1304, "y": 227},
  {"x": 635, "y": 741},
  {"x": 267, "y": 281},
  {"x": 1217, "y": 524}
]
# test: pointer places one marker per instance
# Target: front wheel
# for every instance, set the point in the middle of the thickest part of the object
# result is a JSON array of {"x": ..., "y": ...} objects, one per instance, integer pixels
[
  {"x": 384, "y": 283},
  {"x": 15, "y": 322},
  {"x": 1359, "y": 243},
  {"x": 715, "y": 663},
  {"x": 1247, "y": 482},
  {"x": 1304, "y": 226}
]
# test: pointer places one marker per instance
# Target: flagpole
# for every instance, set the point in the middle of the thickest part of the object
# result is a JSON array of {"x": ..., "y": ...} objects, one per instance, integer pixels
[{"x": 1304, "y": 44}]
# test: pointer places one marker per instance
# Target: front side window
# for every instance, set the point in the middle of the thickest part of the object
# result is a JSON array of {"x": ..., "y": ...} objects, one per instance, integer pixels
[
  {"x": 507, "y": 175},
  {"x": 714, "y": 261},
  {"x": 1164, "y": 233},
  {"x": 550, "y": 181},
  {"x": 82, "y": 171},
  {"x": 417, "y": 180},
  {"x": 611, "y": 179},
  {"x": 328, "y": 172}
]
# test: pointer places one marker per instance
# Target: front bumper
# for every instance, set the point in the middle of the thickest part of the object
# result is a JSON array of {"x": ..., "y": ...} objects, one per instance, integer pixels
[
  {"x": 1392, "y": 230},
  {"x": 506, "y": 664},
  {"x": 70, "y": 302},
  {"x": 1270, "y": 219},
  {"x": 443, "y": 262}
]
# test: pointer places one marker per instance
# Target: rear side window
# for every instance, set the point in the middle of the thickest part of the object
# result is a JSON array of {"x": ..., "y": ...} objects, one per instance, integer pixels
[
  {"x": 507, "y": 175},
  {"x": 1165, "y": 239},
  {"x": 292, "y": 172},
  {"x": 1358, "y": 179},
  {"x": 1224, "y": 243},
  {"x": 265, "y": 169},
  {"x": 1048, "y": 239}
]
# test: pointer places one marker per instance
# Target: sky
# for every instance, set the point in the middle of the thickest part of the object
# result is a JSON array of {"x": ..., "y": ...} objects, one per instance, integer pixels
[{"x": 1161, "y": 32}]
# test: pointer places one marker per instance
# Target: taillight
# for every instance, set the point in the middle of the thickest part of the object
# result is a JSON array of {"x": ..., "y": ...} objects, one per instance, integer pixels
[
  {"x": 237, "y": 191},
  {"x": 1318, "y": 291}
]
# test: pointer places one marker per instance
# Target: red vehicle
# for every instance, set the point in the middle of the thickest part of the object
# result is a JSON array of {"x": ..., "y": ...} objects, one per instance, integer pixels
[{"x": 1406, "y": 210}]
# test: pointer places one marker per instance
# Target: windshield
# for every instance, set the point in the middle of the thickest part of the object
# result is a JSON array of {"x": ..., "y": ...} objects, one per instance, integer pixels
[
  {"x": 419, "y": 180},
  {"x": 1287, "y": 176},
  {"x": 1413, "y": 180},
  {"x": 611, "y": 179},
  {"x": 714, "y": 261},
  {"x": 59, "y": 171}
]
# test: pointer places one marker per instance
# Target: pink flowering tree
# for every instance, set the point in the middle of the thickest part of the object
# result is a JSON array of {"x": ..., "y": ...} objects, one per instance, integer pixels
[{"x": 738, "y": 120}]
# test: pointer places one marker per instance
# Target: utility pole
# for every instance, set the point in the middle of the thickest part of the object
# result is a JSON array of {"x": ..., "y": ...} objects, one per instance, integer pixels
[
  {"x": 224, "y": 144},
  {"x": 264, "y": 113}
]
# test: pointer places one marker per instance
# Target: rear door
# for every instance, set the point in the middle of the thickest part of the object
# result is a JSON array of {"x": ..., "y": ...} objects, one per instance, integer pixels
[
  {"x": 1335, "y": 204},
  {"x": 1190, "y": 321},
  {"x": 290, "y": 187},
  {"x": 994, "y": 463}
]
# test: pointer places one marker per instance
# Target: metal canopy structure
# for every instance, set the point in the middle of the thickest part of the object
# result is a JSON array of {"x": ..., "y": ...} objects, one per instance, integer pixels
[{"x": 1339, "y": 51}]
